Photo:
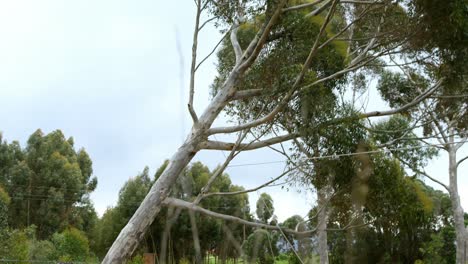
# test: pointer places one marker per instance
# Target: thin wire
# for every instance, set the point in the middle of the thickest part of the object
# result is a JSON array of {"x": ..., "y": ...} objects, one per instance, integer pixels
[
  {"x": 284, "y": 161},
  {"x": 220, "y": 150},
  {"x": 51, "y": 199},
  {"x": 335, "y": 156}
]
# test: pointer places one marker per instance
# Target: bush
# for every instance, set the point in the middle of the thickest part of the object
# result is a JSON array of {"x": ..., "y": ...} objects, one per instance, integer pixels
[{"x": 71, "y": 245}]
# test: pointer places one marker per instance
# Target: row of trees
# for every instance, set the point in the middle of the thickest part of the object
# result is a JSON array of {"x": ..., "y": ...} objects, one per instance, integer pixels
[
  {"x": 45, "y": 210},
  {"x": 402, "y": 219}
]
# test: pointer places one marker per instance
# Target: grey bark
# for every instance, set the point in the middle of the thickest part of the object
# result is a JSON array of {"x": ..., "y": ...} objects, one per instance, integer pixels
[
  {"x": 457, "y": 210},
  {"x": 323, "y": 215},
  {"x": 134, "y": 231}
]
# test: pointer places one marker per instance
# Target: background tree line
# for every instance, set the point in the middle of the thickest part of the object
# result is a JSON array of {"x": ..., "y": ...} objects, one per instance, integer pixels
[{"x": 403, "y": 220}]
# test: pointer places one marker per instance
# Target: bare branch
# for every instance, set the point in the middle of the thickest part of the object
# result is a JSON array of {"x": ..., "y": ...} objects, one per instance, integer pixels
[
  {"x": 246, "y": 94},
  {"x": 218, "y": 145},
  {"x": 190, "y": 206},
  {"x": 320, "y": 9},
  {"x": 192, "y": 67},
  {"x": 424, "y": 174},
  {"x": 256, "y": 45},
  {"x": 297, "y": 7},
  {"x": 221, "y": 169},
  {"x": 306, "y": 5},
  {"x": 415, "y": 101},
  {"x": 196, "y": 239},
  {"x": 235, "y": 42},
  {"x": 206, "y": 22},
  {"x": 371, "y": 42},
  {"x": 212, "y": 51},
  {"x": 462, "y": 160},
  {"x": 250, "y": 190}
]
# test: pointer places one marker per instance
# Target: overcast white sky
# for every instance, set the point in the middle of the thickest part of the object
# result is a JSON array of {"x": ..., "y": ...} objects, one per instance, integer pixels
[{"x": 108, "y": 73}]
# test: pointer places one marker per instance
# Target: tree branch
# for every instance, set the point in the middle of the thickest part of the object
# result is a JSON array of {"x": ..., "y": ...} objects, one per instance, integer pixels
[
  {"x": 415, "y": 101},
  {"x": 244, "y": 94},
  {"x": 320, "y": 9},
  {"x": 424, "y": 174},
  {"x": 270, "y": 116},
  {"x": 250, "y": 190},
  {"x": 256, "y": 44},
  {"x": 235, "y": 42},
  {"x": 462, "y": 160},
  {"x": 297, "y": 7},
  {"x": 221, "y": 169},
  {"x": 190, "y": 206},
  {"x": 192, "y": 67},
  {"x": 219, "y": 145},
  {"x": 212, "y": 51}
]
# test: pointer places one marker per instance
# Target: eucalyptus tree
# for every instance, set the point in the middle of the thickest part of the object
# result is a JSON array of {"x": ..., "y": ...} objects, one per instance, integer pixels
[
  {"x": 441, "y": 51},
  {"x": 443, "y": 119},
  {"x": 265, "y": 209},
  {"x": 48, "y": 182},
  {"x": 401, "y": 214},
  {"x": 444, "y": 116},
  {"x": 277, "y": 51},
  {"x": 170, "y": 235}
]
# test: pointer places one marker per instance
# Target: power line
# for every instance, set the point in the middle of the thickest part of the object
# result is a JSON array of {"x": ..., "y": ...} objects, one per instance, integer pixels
[{"x": 335, "y": 156}]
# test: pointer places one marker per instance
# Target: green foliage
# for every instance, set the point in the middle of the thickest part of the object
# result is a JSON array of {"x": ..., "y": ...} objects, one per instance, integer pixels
[
  {"x": 41, "y": 250},
  {"x": 211, "y": 231},
  {"x": 396, "y": 89},
  {"x": 14, "y": 245},
  {"x": 260, "y": 247},
  {"x": 265, "y": 207},
  {"x": 432, "y": 250},
  {"x": 138, "y": 259},
  {"x": 407, "y": 220},
  {"x": 448, "y": 40},
  {"x": 4, "y": 203},
  {"x": 276, "y": 68},
  {"x": 396, "y": 133},
  {"x": 46, "y": 181},
  {"x": 71, "y": 245}
]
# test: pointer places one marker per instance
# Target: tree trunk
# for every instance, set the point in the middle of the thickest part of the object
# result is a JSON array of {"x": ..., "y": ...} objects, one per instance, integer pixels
[
  {"x": 136, "y": 228},
  {"x": 457, "y": 210},
  {"x": 323, "y": 194}
]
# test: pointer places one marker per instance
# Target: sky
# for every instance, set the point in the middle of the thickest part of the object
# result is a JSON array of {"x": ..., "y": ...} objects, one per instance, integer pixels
[{"x": 113, "y": 74}]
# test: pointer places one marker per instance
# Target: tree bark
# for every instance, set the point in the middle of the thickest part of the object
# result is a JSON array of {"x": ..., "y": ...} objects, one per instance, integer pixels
[
  {"x": 323, "y": 194},
  {"x": 134, "y": 231},
  {"x": 457, "y": 210}
]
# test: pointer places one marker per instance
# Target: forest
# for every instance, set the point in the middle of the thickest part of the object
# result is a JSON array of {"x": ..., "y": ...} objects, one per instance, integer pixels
[{"x": 290, "y": 78}]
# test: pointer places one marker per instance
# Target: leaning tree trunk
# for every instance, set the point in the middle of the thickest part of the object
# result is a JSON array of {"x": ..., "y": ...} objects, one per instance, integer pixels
[
  {"x": 457, "y": 210},
  {"x": 135, "y": 230}
]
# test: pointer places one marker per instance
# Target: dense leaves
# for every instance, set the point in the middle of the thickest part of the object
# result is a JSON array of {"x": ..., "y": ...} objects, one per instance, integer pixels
[{"x": 48, "y": 182}]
